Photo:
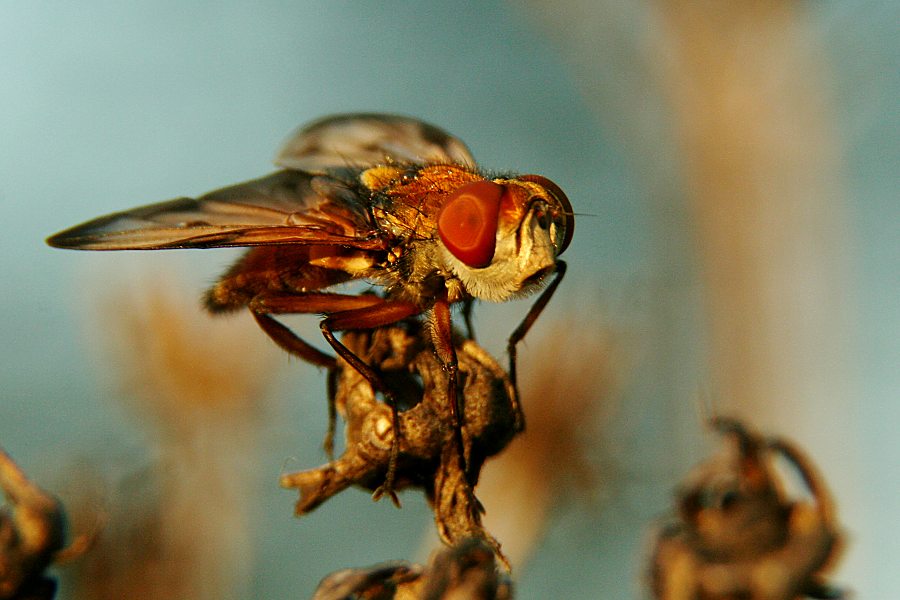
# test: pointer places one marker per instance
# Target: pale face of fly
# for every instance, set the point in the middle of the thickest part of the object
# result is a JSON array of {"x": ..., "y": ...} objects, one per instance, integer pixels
[{"x": 532, "y": 226}]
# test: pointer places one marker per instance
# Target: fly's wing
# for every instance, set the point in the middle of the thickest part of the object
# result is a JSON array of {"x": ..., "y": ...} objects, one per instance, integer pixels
[
  {"x": 286, "y": 207},
  {"x": 364, "y": 140}
]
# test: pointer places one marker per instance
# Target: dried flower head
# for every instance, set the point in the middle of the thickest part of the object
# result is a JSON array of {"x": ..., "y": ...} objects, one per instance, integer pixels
[
  {"x": 428, "y": 455},
  {"x": 738, "y": 535},
  {"x": 32, "y": 536}
]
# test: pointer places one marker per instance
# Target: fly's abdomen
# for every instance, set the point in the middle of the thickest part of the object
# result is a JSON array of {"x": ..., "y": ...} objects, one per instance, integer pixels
[{"x": 277, "y": 270}]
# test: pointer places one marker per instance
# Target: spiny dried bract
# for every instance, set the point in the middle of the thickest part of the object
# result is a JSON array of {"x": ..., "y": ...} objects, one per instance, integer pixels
[
  {"x": 739, "y": 535},
  {"x": 383, "y": 581},
  {"x": 427, "y": 455},
  {"x": 466, "y": 570},
  {"x": 32, "y": 535}
]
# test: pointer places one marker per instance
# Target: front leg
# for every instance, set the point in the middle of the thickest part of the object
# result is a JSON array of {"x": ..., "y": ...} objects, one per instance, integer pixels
[
  {"x": 519, "y": 333},
  {"x": 442, "y": 336},
  {"x": 467, "y": 317}
]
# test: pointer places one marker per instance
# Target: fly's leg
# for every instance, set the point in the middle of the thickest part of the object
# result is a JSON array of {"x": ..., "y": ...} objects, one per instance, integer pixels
[
  {"x": 293, "y": 344},
  {"x": 519, "y": 333},
  {"x": 290, "y": 342},
  {"x": 331, "y": 384},
  {"x": 467, "y": 317},
  {"x": 442, "y": 334},
  {"x": 371, "y": 317},
  {"x": 347, "y": 312}
]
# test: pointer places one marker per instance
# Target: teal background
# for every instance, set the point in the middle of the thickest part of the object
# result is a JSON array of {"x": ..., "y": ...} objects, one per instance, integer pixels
[{"x": 110, "y": 105}]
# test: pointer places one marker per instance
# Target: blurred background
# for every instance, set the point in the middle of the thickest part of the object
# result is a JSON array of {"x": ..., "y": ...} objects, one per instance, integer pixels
[{"x": 737, "y": 250}]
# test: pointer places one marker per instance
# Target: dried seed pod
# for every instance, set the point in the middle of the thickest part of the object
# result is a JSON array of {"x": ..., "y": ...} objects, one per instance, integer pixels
[
  {"x": 384, "y": 581},
  {"x": 32, "y": 536},
  {"x": 466, "y": 570},
  {"x": 428, "y": 452},
  {"x": 738, "y": 535}
]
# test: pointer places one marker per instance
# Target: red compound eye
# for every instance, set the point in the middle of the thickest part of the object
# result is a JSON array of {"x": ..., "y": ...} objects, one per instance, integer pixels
[
  {"x": 468, "y": 222},
  {"x": 560, "y": 195}
]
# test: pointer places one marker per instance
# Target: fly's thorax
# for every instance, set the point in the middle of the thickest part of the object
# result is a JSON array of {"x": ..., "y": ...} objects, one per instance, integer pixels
[
  {"x": 407, "y": 199},
  {"x": 530, "y": 234}
]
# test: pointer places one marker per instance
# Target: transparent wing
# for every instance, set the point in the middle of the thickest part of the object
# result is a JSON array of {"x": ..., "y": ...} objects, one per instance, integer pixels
[
  {"x": 363, "y": 140},
  {"x": 286, "y": 207}
]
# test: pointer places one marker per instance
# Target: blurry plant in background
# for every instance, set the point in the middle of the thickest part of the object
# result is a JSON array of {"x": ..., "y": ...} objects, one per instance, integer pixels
[
  {"x": 561, "y": 458},
  {"x": 740, "y": 532},
  {"x": 34, "y": 534},
  {"x": 178, "y": 524},
  {"x": 728, "y": 110}
]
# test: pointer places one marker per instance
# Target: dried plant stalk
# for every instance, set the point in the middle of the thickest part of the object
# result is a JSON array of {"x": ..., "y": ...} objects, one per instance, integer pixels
[
  {"x": 761, "y": 161},
  {"x": 428, "y": 455}
]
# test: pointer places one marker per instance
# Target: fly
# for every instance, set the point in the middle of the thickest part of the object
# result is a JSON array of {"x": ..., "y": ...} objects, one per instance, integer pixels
[{"x": 386, "y": 199}]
